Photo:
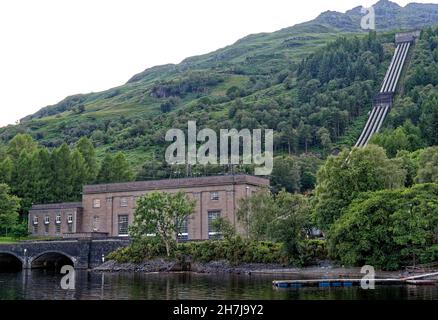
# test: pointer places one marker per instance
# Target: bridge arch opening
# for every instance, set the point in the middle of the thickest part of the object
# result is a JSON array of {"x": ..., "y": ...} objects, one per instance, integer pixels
[
  {"x": 10, "y": 263},
  {"x": 51, "y": 261}
]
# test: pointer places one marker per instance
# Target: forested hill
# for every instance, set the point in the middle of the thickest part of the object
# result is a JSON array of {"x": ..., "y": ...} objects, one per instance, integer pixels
[{"x": 311, "y": 83}]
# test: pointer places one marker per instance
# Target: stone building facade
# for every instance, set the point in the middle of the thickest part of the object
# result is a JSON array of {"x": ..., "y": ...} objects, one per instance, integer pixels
[
  {"x": 107, "y": 209},
  {"x": 55, "y": 219}
]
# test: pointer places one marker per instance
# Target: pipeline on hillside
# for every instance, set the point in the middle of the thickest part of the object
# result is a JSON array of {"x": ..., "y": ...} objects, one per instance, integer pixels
[{"x": 383, "y": 101}]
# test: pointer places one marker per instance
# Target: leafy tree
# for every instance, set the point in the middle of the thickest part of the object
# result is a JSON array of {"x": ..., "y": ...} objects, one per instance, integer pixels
[
  {"x": 254, "y": 214},
  {"x": 85, "y": 147},
  {"x": 21, "y": 142},
  {"x": 105, "y": 173},
  {"x": 290, "y": 222},
  {"x": 42, "y": 164},
  {"x": 225, "y": 228},
  {"x": 80, "y": 176},
  {"x": 428, "y": 166},
  {"x": 388, "y": 228},
  {"x": 283, "y": 218},
  {"x": 406, "y": 137},
  {"x": 161, "y": 214},
  {"x": 23, "y": 180},
  {"x": 324, "y": 138},
  {"x": 286, "y": 174},
  {"x": 6, "y": 168},
  {"x": 429, "y": 119},
  {"x": 62, "y": 174},
  {"x": 115, "y": 169},
  {"x": 344, "y": 176},
  {"x": 9, "y": 205}
]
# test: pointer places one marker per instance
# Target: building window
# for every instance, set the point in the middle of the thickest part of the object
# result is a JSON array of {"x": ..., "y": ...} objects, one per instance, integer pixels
[
  {"x": 35, "y": 220},
  {"x": 212, "y": 232},
  {"x": 58, "y": 228},
  {"x": 46, "y": 219},
  {"x": 124, "y": 202},
  {"x": 96, "y": 203},
  {"x": 70, "y": 223},
  {"x": 183, "y": 234},
  {"x": 95, "y": 223},
  {"x": 46, "y": 229},
  {"x": 58, "y": 219},
  {"x": 123, "y": 225},
  {"x": 214, "y": 195},
  {"x": 35, "y": 228}
]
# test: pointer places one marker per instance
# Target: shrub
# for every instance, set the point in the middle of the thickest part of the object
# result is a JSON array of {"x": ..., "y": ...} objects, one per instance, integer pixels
[{"x": 139, "y": 251}]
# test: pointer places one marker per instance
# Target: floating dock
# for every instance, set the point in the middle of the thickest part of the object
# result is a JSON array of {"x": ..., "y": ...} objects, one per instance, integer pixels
[
  {"x": 324, "y": 283},
  {"x": 344, "y": 282}
]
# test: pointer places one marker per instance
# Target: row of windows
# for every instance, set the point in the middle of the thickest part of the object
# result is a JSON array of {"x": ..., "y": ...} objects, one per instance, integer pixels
[
  {"x": 123, "y": 224},
  {"x": 57, "y": 219},
  {"x": 57, "y": 229},
  {"x": 214, "y": 195}
]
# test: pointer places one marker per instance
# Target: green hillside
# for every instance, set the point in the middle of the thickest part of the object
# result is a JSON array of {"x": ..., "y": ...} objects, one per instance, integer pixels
[{"x": 278, "y": 80}]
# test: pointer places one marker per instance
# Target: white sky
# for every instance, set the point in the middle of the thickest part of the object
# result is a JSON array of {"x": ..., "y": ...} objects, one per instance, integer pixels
[{"x": 50, "y": 49}]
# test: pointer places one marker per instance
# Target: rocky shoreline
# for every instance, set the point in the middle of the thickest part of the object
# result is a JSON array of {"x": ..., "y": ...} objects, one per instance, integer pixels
[{"x": 323, "y": 270}]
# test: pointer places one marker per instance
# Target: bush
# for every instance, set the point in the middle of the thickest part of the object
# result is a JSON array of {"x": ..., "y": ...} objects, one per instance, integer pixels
[
  {"x": 139, "y": 251},
  {"x": 235, "y": 250},
  {"x": 314, "y": 250}
]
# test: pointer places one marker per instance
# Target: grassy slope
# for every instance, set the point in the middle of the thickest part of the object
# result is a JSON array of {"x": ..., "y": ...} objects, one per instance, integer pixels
[{"x": 260, "y": 55}]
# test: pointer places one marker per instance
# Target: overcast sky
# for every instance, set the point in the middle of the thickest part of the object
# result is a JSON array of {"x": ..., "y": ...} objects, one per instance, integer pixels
[{"x": 50, "y": 49}]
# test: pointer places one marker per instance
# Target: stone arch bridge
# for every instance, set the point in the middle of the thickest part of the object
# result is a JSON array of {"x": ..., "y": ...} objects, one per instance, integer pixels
[{"x": 80, "y": 253}]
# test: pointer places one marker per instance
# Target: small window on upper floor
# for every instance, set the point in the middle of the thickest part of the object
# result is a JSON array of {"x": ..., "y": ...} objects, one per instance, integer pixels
[
  {"x": 47, "y": 219},
  {"x": 35, "y": 220},
  {"x": 96, "y": 203},
  {"x": 58, "y": 219},
  {"x": 70, "y": 219},
  {"x": 214, "y": 195},
  {"x": 124, "y": 202}
]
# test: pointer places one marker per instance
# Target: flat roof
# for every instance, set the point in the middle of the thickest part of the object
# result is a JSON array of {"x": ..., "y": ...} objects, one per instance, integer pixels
[
  {"x": 176, "y": 183},
  {"x": 64, "y": 205}
]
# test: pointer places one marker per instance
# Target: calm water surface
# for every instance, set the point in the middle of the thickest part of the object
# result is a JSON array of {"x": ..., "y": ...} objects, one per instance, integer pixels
[{"x": 40, "y": 284}]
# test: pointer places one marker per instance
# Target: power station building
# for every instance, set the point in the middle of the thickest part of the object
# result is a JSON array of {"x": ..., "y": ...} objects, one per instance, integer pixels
[{"x": 107, "y": 210}]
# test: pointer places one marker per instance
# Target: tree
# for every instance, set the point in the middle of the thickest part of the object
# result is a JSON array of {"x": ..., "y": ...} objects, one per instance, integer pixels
[
  {"x": 85, "y": 147},
  {"x": 282, "y": 218},
  {"x": 291, "y": 221},
  {"x": 19, "y": 143},
  {"x": 429, "y": 120},
  {"x": 161, "y": 214},
  {"x": 6, "y": 168},
  {"x": 286, "y": 174},
  {"x": 9, "y": 206},
  {"x": 344, "y": 176},
  {"x": 121, "y": 169},
  {"x": 79, "y": 177},
  {"x": 254, "y": 214},
  {"x": 324, "y": 139},
  {"x": 42, "y": 163},
  {"x": 105, "y": 174},
  {"x": 388, "y": 228},
  {"x": 62, "y": 174},
  {"x": 23, "y": 180},
  {"x": 115, "y": 169},
  {"x": 428, "y": 166}
]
